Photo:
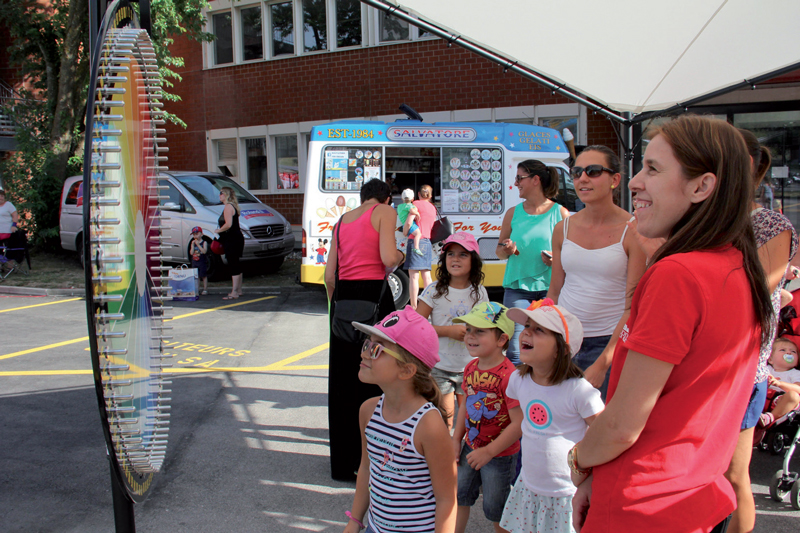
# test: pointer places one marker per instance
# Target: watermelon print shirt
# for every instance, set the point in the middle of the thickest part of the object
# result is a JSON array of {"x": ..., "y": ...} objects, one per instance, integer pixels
[{"x": 554, "y": 422}]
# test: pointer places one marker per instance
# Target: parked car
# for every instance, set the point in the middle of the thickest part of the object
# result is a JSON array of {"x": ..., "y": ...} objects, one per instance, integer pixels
[{"x": 192, "y": 199}]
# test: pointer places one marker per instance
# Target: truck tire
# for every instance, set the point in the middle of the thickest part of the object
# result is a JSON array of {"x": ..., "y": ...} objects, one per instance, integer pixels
[{"x": 398, "y": 284}]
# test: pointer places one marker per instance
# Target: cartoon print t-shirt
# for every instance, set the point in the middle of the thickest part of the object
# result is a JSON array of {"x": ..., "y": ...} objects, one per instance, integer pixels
[
  {"x": 453, "y": 354},
  {"x": 486, "y": 405}
]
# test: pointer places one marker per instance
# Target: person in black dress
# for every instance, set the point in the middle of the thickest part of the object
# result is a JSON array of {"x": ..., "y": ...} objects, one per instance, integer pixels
[{"x": 231, "y": 238}]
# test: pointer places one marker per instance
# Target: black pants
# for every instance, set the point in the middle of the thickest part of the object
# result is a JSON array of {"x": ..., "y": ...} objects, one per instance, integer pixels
[
  {"x": 345, "y": 392},
  {"x": 722, "y": 527}
]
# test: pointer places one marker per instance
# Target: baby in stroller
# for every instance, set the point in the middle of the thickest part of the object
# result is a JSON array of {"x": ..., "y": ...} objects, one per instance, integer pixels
[{"x": 783, "y": 396}]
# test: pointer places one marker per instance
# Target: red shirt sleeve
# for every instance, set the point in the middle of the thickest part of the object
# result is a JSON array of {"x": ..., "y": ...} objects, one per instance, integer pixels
[{"x": 671, "y": 309}]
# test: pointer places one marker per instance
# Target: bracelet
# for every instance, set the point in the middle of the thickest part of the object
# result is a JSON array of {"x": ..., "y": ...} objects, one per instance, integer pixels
[
  {"x": 13, "y": 224},
  {"x": 354, "y": 519},
  {"x": 572, "y": 460}
]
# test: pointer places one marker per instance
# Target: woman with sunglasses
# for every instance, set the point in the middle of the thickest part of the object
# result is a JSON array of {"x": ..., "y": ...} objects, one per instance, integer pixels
[
  {"x": 597, "y": 262},
  {"x": 525, "y": 240},
  {"x": 655, "y": 459}
]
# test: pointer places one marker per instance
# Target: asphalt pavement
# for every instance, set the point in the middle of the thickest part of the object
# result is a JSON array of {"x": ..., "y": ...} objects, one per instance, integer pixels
[{"x": 248, "y": 441}]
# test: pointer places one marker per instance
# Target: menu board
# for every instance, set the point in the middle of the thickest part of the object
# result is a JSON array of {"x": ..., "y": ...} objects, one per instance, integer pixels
[
  {"x": 472, "y": 180},
  {"x": 346, "y": 169}
]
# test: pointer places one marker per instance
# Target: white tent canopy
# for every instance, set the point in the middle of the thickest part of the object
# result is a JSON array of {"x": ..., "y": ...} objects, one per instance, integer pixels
[{"x": 628, "y": 55}]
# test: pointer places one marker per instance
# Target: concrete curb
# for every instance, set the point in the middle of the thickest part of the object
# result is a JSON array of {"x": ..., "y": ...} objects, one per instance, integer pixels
[{"x": 80, "y": 291}]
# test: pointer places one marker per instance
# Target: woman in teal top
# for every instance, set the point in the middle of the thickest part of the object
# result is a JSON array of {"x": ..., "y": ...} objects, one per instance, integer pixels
[{"x": 525, "y": 240}]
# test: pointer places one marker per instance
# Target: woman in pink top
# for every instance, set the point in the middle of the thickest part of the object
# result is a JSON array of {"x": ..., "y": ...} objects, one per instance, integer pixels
[
  {"x": 417, "y": 264},
  {"x": 362, "y": 250}
]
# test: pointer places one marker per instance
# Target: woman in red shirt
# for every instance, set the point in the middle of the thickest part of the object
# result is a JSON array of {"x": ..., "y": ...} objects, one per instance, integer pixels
[{"x": 684, "y": 366}]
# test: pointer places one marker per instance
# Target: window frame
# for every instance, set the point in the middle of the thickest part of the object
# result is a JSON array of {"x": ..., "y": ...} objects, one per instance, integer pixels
[
  {"x": 239, "y": 31},
  {"x": 211, "y": 46}
]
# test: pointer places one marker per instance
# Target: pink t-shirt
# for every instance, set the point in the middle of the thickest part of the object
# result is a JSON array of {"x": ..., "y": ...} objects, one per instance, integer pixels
[
  {"x": 693, "y": 310},
  {"x": 358, "y": 251},
  {"x": 427, "y": 216}
]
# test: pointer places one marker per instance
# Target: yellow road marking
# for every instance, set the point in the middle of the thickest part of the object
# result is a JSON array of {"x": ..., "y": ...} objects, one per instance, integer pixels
[
  {"x": 73, "y": 341},
  {"x": 277, "y": 366},
  {"x": 218, "y": 308},
  {"x": 41, "y": 348},
  {"x": 40, "y": 305}
]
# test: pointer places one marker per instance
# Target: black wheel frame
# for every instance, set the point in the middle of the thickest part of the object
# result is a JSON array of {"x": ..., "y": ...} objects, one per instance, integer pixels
[
  {"x": 776, "y": 492},
  {"x": 399, "y": 285}
]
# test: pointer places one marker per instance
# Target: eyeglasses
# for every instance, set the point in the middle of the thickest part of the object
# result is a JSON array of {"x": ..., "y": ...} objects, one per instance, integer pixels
[
  {"x": 520, "y": 178},
  {"x": 593, "y": 171},
  {"x": 375, "y": 350}
]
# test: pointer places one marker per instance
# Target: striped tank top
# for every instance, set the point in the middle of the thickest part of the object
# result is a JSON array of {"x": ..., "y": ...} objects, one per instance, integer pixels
[{"x": 400, "y": 492}]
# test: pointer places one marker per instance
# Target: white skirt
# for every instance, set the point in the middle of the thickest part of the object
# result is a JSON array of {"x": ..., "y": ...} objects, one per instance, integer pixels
[{"x": 527, "y": 512}]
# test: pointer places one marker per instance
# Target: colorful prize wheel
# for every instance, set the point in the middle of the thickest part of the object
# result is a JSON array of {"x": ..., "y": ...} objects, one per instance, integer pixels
[{"x": 125, "y": 289}]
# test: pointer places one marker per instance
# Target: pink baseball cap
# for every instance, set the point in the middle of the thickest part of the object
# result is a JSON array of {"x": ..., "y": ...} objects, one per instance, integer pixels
[
  {"x": 467, "y": 240},
  {"x": 409, "y": 330},
  {"x": 553, "y": 317}
]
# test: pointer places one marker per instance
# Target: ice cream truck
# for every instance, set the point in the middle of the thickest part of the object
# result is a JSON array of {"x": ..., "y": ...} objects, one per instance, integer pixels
[{"x": 471, "y": 167}]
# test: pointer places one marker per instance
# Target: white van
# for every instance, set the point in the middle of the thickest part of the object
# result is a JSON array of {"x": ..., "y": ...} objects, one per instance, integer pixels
[
  {"x": 192, "y": 199},
  {"x": 471, "y": 167}
]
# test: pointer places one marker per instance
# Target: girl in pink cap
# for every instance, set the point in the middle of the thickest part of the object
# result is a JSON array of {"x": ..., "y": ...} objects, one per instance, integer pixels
[
  {"x": 458, "y": 289},
  {"x": 407, "y": 477}
]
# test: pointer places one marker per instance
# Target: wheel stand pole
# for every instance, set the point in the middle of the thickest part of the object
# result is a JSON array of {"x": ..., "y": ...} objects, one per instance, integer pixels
[{"x": 123, "y": 506}]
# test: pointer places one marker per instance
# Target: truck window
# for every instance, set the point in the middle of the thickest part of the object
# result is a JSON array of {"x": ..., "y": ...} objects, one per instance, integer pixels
[
  {"x": 346, "y": 168},
  {"x": 411, "y": 167},
  {"x": 472, "y": 180}
]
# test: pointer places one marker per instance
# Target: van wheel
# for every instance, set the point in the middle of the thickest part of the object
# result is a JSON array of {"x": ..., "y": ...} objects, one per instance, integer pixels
[
  {"x": 79, "y": 247},
  {"x": 398, "y": 283},
  {"x": 271, "y": 266}
]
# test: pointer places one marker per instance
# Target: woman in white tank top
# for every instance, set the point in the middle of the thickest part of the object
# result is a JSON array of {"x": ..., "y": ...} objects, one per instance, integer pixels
[{"x": 597, "y": 262}]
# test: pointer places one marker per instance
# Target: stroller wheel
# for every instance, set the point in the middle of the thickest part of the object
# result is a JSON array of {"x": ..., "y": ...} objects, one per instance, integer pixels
[
  {"x": 776, "y": 441},
  {"x": 776, "y": 491},
  {"x": 795, "y": 495}
]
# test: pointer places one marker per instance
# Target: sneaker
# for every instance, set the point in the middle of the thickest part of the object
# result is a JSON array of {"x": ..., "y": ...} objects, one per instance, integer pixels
[
  {"x": 418, "y": 251},
  {"x": 766, "y": 420}
]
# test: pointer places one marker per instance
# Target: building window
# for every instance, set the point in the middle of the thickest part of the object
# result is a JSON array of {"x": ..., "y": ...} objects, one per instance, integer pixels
[
  {"x": 286, "y": 158},
  {"x": 561, "y": 123},
  {"x": 315, "y": 25},
  {"x": 252, "y": 42},
  {"x": 256, "y": 163},
  {"x": 223, "y": 42},
  {"x": 392, "y": 28},
  {"x": 282, "y": 21},
  {"x": 348, "y": 23},
  {"x": 226, "y": 157}
]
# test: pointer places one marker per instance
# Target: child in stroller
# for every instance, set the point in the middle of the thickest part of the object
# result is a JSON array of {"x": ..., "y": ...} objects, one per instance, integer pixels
[{"x": 783, "y": 396}]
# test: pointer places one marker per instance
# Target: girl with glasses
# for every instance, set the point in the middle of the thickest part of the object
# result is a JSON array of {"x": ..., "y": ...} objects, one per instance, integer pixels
[
  {"x": 597, "y": 262},
  {"x": 407, "y": 476},
  {"x": 654, "y": 460},
  {"x": 525, "y": 240}
]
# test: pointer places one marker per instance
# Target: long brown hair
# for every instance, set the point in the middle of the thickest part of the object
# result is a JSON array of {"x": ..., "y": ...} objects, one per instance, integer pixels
[
  {"x": 704, "y": 144},
  {"x": 762, "y": 158},
  {"x": 230, "y": 195},
  {"x": 476, "y": 276},
  {"x": 548, "y": 176},
  {"x": 564, "y": 367},
  {"x": 423, "y": 382}
]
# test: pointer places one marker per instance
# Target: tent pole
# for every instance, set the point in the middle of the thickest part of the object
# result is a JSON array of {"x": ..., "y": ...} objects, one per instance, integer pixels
[{"x": 627, "y": 157}]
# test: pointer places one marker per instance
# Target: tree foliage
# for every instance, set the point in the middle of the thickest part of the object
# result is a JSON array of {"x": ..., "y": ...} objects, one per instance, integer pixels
[{"x": 50, "y": 49}]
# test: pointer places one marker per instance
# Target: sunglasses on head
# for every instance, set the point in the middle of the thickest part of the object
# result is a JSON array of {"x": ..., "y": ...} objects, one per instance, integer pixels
[
  {"x": 375, "y": 350},
  {"x": 593, "y": 171}
]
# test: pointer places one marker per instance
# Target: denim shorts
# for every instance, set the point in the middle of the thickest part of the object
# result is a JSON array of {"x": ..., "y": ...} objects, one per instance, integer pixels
[
  {"x": 448, "y": 381},
  {"x": 496, "y": 477},
  {"x": 755, "y": 406},
  {"x": 590, "y": 350},
  {"x": 416, "y": 261}
]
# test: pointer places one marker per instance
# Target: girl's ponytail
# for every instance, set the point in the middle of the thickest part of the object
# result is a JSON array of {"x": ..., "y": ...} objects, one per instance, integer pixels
[{"x": 426, "y": 386}]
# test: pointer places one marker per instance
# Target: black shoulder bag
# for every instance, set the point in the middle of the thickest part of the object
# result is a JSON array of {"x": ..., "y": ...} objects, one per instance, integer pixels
[
  {"x": 442, "y": 228},
  {"x": 345, "y": 312}
]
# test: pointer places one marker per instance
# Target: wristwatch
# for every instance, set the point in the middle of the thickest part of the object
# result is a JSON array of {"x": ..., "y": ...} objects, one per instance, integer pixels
[{"x": 572, "y": 460}]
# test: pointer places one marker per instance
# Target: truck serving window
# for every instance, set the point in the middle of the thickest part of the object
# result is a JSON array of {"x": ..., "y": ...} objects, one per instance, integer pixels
[
  {"x": 472, "y": 180},
  {"x": 347, "y": 168}
]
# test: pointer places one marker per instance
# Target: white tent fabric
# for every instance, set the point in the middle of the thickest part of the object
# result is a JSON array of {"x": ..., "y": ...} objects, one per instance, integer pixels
[{"x": 630, "y": 55}]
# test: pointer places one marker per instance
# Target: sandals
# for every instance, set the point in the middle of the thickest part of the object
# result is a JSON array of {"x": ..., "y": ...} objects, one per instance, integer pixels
[
  {"x": 204, "y": 293},
  {"x": 231, "y": 297}
]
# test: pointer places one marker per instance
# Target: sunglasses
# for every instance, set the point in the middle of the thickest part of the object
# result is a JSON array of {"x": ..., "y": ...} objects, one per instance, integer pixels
[
  {"x": 375, "y": 350},
  {"x": 593, "y": 171},
  {"x": 520, "y": 178}
]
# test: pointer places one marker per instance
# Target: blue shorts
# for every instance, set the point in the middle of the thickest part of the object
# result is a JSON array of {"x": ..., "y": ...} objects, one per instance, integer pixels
[
  {"x": 201, "y": 265},
  {"x": 419, "y": 262},
  {"x": 448, "y": 381},
  {"x": 496, "y": 477},
  {"x": 413, "y": 228},
  {"x": 755, "y": 406}
]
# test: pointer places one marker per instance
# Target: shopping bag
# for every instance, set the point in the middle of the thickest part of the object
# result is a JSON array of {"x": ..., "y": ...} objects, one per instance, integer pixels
[{"x": 184, "y": 284}]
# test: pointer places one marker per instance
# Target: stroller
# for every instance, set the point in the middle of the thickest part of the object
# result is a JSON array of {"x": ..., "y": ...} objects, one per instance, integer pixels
[
  {"x": 786, "y": 430},
  {"x": 14, "y": 255}
]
